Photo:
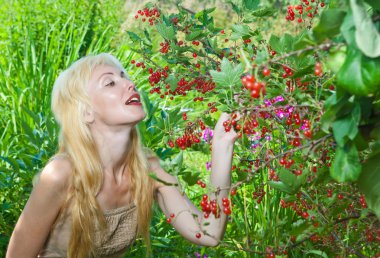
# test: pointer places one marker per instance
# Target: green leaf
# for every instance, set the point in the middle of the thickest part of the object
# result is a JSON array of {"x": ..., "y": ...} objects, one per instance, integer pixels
[
  {"x": 346, "y": 165},
  {"x": 263, "y": 12},
  {"x": 359, "y": 74},
  {"x": 172, "y": 80},
  {"x": 335, "y": 59},
  {"x": 178, "y": 160},
  {"x": 204, "y": 12},
  {"x": 251, "y": 4},
  {"x": 366, "y": 35},
  {"x": 203, "y": 17},
  {"x": 287, "y": 177},
  {"x": 298, "y": 227},
  {"x": 332, "y": 107},
  {"x": 347, "y": 126},
  {"x": 318, "y": 252},
  {"x": 213, "y": 44},
  {"x": 369, "y": 183},
  {"x": 262, "y": 56},
  {"x": 348, "y": 29},
  {"x": 229, "y": 74},
  {"x": 133, "y": 36},
  {"x": 275, "y": 43},
  {"x": 239, "y": 31},
  {"x": 288, "y": 42},
  {"x": 166, "y": 32},
  {"x": 147, "y": 40},
  {"x": 235, "y": 8},
  {"x": 329, "y": 24},
  {"x": 189, "y": 177},
  {"x": 280, "y": 186},
  {"x": 374, "y": 4},
  {"x": 194, "y": 34}
]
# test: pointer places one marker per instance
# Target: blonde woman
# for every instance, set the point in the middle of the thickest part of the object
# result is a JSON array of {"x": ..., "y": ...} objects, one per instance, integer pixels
[{"x": 95, "y": 195}]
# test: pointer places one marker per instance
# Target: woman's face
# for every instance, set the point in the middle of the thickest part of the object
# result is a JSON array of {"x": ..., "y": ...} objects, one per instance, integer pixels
[{"x": 114, "y": 98}]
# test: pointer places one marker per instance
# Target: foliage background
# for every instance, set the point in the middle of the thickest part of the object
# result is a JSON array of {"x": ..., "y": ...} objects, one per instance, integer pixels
[{"x": 40, "y": 38}]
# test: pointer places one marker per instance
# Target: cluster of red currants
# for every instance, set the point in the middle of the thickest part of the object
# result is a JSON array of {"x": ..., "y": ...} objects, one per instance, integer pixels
[
  {"x": 151, "y": 14},
  {"x": 165, "y": 47},
  {"x": 302, "y": 85},
  {"x": 300, "y": 207},
  {"x": 199, "y": 84},
  {"x": 195, "y": 43},
  {"x": 155, "y": 76},
  {"x": 301, "y": 9},
  {"x": 288, "y": 163},
  {"x": 273, "y": 176},
  {"x": 362, "y": 201},
  {"x": 258, "y": 195},
  {"x": 249, "y": 125},
  {"x": 138, "y": 64},
  {"x": 256, "y": 88},
  {"x": 211, "y": 206},
  {"x": 372, "y": 234},
  {"x": 231, "y": 123},
  {"x": 170, "y": 218},
  {"x": 287, "y": 72},
  {"x": 201, "y": 184},
  {"x": 187, "y": 140},
  {"x": 318, "y": 69}
]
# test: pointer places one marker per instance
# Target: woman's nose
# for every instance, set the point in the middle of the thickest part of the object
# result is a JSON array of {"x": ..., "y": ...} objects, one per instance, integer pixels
[{"x": 130, "y": 85}]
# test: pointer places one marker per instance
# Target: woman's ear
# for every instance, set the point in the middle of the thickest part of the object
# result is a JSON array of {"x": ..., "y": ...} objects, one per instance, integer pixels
[{"x": 88, "y": 115}]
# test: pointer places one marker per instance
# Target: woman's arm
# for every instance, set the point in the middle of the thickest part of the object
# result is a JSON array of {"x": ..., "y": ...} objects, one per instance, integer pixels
[
  {"x": 40, "y": 212},
  {"x": 188, "y": 220}
]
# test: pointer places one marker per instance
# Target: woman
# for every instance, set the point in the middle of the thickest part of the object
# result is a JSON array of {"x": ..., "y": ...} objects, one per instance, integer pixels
[{"x": 95, "y": 195}]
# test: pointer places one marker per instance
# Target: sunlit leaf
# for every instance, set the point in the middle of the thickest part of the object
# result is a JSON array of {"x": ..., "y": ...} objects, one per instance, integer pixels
[
  {"x": 229, "y": 74},
  {"x": 366, "y": 35}
]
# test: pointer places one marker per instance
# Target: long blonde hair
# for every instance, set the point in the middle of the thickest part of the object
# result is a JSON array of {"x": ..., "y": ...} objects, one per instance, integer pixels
[{"x": 69, "y": 102}]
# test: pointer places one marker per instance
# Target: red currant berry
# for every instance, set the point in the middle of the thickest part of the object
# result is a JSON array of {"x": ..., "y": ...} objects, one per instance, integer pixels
[{"x": 266, "y": 71}]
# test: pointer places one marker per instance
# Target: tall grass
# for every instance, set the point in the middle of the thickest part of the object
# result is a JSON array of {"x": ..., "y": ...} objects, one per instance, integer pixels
[{"x": 35, "y": 45}]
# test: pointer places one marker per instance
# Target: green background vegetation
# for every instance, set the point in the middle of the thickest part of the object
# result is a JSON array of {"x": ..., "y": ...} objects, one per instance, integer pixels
[{"x": 40, "y": 38}]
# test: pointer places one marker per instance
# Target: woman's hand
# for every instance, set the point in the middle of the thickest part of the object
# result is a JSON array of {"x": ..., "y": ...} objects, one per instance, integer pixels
[{"x": 220, "y": 134}]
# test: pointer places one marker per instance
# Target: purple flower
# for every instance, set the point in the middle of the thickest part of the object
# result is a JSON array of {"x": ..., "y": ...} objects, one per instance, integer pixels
[
  {"x": 279, "y": 98},
  {"x": 289, "y": 109},
  {"x": 280, "y": 114},
  {"x": 207, "y": 135},
  {"x": 208, "y": 165}
]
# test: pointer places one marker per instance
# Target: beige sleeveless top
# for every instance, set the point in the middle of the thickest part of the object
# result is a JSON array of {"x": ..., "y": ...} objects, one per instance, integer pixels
[{"x": 121, "y": 233}]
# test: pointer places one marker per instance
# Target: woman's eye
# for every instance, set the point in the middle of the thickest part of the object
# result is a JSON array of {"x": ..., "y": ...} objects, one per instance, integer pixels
[{"x": 111, "y": 83}]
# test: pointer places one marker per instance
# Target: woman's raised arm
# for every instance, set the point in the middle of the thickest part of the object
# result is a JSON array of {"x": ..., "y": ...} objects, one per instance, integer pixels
[{"x": 186, "y": 218}]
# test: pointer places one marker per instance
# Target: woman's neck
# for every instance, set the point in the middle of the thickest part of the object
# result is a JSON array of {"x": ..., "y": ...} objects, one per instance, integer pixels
[{"x": 112, "y": 144}]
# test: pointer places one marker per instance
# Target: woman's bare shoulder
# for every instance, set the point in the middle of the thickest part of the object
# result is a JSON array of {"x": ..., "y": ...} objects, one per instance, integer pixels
[{"x": 56, "y": 172}]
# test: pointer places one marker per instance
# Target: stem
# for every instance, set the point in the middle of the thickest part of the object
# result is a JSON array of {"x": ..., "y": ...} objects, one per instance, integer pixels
[
  {"x": 246, "y": 219},
  {"x": 324, "y": 47}
]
